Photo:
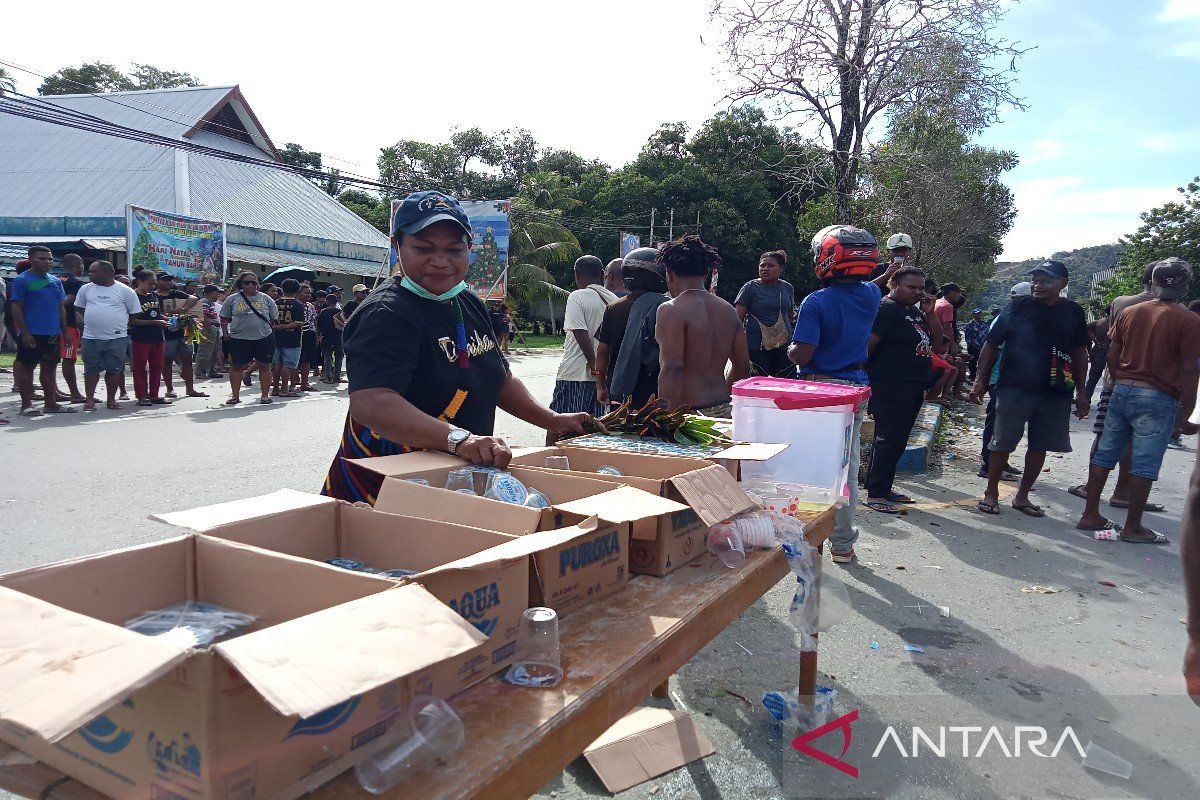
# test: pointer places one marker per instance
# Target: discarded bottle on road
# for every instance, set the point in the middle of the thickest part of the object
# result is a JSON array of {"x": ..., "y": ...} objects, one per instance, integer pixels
[{"x": 435, "y": 732}]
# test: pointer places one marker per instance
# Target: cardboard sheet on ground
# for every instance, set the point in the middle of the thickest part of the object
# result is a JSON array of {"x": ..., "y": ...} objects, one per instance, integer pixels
[{"x": 644, "y": 744}]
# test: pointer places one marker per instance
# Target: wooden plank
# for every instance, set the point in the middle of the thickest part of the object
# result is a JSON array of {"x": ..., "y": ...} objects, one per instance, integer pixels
[{"x": 613, "y": 657}]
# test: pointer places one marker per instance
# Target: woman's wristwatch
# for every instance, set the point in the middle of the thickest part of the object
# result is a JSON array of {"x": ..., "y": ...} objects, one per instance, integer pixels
[{"x": 455, "y": 439}]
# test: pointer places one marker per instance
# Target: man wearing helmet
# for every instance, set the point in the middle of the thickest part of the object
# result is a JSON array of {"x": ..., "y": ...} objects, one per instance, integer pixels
[{"x": 833, "y": 329}]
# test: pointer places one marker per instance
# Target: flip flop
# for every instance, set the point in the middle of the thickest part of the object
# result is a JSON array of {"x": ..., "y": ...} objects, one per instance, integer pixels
[
  {"x": 90, "y": 405},
  {"x": 903, "y": 499},
  {"x": 1030, "y": 510},
  {"x": 1103, "y": 526},
  {"x": 144, "y": 403},
  {"x": 113, "y": 406},
  {"x": 159, "y": 401},
  {"x": 1154, "y": 508},
  {"x": 31, "y": 412},
  {"x": 172, "y": 395},
  {"x": 264, "y": 401},
  {"x": 233, "y": 401},
  {"x": 988, "y": 507},
  {"x": 1079, "y": 491},
  {"x": 1156, "y": 538},
  {"x": 59, "y": 410},
  {"x": 882, "y": 506},
  {"x": 197, "y": 394}
]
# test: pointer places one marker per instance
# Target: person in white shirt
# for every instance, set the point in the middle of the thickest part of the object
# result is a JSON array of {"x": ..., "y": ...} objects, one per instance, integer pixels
[
  {"x": 575, "y": 388},
  {"x": 105, "y": 307}
]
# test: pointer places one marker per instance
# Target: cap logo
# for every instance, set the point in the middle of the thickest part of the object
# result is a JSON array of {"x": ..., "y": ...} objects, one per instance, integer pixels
[{"x": 432, "y": 202}]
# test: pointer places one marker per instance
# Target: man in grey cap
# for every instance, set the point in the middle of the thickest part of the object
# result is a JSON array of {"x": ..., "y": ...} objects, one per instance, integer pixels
[
  {"x": 627, "y": 352},
  {"x": 1045, "y": 342},
  {"x": 1152, "y": 358}
]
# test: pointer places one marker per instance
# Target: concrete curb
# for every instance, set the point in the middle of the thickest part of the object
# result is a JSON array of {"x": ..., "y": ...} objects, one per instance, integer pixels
[{"x": 918, "y": 455}]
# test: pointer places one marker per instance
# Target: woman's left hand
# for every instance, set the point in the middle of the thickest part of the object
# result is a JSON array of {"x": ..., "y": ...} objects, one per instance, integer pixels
[{"x": 571, "y": 423}]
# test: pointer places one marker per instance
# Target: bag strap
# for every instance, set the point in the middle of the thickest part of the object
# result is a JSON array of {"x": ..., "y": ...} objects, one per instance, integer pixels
[
  {"x": 250, "y": 305},
  {"x": 602, "y": 298}
]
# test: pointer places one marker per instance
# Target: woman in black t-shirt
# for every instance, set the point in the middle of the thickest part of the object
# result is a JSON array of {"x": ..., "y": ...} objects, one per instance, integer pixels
[
  {"x": 424, "y": 365},
  {"x": 899, "y": 365}
]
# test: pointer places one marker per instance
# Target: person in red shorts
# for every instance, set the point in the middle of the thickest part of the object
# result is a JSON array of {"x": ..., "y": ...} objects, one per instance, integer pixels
[{"x": 69, "y": 345}]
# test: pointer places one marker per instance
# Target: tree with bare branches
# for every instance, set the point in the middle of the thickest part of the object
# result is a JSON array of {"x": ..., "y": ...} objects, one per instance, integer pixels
[{"x": 841, "y": 65}]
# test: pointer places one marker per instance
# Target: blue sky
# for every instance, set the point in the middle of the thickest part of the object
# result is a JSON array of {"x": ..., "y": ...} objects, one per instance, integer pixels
[
  {"x": 1113, "y": 119},
  {"x": 1113, "y": 123}
]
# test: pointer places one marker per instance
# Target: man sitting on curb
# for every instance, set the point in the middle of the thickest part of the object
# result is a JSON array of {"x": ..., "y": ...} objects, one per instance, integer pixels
[{"x": 1152, "y": 358}]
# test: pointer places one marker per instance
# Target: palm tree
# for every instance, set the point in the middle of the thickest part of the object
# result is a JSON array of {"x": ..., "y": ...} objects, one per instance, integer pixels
[
  {"x": 7, "y": 82},
  {"x": 538, "y": 240}
]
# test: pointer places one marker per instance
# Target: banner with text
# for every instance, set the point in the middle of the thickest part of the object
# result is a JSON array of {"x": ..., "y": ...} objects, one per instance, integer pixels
[
  {"x": 488, "y": 273},
  {"x": 187, "y": 247}
]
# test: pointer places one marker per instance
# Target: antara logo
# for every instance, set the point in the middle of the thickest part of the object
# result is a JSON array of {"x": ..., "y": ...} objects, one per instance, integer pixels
[
  {"x": 588, "y": 553},
  {"x": 473, "y": 605}
]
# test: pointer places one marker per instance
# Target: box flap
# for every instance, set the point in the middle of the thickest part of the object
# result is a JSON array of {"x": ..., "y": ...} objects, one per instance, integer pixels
[
  {"x": 409, "y": 463},
  {"x": 309, "y": 664},
  {"x": 517, "y": 547},
  {"x": 644, "y": 744},
  {"x": 753, "y": 451},
  {"x": 206, "y": 518},
  {"x": 398, "y": 496},
  {"x": 623, "y": 504},
  {"x": 59, "y": 669},
  {"x": 712, "y": 493}
]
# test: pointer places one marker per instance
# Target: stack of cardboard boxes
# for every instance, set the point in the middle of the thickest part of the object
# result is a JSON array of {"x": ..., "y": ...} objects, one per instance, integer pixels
[{"x": 335, "y": 656}]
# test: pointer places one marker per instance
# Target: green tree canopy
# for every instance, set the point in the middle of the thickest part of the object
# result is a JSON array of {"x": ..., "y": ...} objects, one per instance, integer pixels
[{"x": 99, "y": 77}]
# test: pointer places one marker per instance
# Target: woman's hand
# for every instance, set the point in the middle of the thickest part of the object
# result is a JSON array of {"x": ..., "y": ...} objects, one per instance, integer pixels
[
  {"x": 571, "y": 423},
  {"x": 486, "y": 451}
]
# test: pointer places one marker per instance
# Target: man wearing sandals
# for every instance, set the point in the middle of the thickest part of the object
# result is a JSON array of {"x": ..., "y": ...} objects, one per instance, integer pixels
[
  {"x": 1045, "y": 343},
  {"x": 1152, "y": 358}
]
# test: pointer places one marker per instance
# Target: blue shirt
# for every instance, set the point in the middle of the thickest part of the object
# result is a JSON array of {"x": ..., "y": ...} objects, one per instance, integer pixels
[
  {"x": 838, "y": 320},
  {"x": 43, "y": 297}
]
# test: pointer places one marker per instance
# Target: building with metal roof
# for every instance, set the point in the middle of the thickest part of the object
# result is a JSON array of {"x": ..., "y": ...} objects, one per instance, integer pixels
[{"x": 68, "y": 188}]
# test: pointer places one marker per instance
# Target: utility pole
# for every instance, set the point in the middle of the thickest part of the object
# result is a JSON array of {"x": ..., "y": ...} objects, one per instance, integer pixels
[
  {"x": 671, "y": 227},
  {"x": 697, "y": 222},
  {"x": 652, "y": 226}
]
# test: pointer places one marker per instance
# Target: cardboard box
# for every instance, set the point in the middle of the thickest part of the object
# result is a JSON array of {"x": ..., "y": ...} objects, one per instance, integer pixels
[
  {"x": 645, "y": 743},
  {"x": 568, "y": 574},
  {"x": 323, "y": 672},
  {"x": 709, "y": 490},
  {"x": 490, "y": 592}
]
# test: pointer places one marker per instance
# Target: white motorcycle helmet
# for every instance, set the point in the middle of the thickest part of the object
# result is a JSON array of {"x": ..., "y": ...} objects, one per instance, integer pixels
[{"x": 897, "y": 240}]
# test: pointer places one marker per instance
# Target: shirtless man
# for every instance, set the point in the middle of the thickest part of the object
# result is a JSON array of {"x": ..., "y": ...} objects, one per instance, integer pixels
[{"x": 697, "y": 334}]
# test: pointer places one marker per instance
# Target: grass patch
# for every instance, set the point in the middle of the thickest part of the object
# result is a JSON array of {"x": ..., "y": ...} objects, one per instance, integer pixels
[
  {"x": 539, "y": 342},
  {"x": 7, "y": 359}
]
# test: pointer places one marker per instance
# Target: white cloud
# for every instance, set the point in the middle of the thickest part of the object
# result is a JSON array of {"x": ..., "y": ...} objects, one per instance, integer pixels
[
  {"x": 1173, "y": 142},
  {"x": 1063, "y": 213},
  {"x": 1180, "y": 9},
  {"x": 1043, "y": 150}
]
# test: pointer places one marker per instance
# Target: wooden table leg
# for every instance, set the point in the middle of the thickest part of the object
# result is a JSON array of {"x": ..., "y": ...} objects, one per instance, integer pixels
[
  {"x": 660, "y": 690},
  {"x": 808, "y": 660}
]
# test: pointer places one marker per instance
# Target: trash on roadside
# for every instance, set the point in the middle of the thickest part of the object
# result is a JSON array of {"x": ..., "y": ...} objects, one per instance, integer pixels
[
  {"x": 1106, "y": 535},
  {"x": 787, "y": 708},
  {"x": 914, "y": 648},
  {"x": 944, "y": 610},
  {"x": 645, "y": 743},
  {"x": 1097, "y": 758},
  {"x": 1108, "y": 583},
  {"x": 901, "y": 566},
  {"x": 874, "y": 645},
  {"x": 1042, "y": 589}
]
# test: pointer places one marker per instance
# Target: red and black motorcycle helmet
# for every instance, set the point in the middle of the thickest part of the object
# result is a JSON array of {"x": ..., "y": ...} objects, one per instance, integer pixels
[{"x": 844, "y": 251}]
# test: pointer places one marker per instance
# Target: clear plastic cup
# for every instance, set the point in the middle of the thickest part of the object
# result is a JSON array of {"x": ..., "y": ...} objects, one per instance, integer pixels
[
  {"x": 538, "y": 662},
  {"x": 461, "y": 479},
  {"x": 1097, "y": 758},
  {"x": 607, "y": 470},
  {"x": 505, "y": 487},
  {"x": 558, "y": 462},
  {"x": 725, "y": 542},
  {"x": 434, "y": 731},
  {"x": 536, "y": 499}
]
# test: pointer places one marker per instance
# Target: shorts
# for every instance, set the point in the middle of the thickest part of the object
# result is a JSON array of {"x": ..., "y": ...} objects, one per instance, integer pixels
[
  {"x": 104, "y": 355},
  {"x": 1144, "y": 417},
  {"x": 69, "y": 345},
  {"x": 45, "y": 350},
  {"x": 243, "y": 351},
  {"x": 178, "y": 350},
  {"x": 574, "y": 397},
  {"x": 1102, "y": 410},
  {"x": 1048, "y": 418},
  {"x": 308, "y": 348},
  {"x": 287, "y": 356}
]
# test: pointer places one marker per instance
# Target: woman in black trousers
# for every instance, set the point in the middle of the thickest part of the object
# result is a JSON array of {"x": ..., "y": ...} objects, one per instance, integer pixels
[{"x": 899, "y": 365}]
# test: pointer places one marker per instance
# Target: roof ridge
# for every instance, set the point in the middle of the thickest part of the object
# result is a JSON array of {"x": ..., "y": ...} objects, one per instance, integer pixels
[{"x": 52, "y": 97}]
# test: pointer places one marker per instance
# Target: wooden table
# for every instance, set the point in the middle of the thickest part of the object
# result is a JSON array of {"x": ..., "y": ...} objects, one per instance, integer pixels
[{"x": 614, "y": 655}]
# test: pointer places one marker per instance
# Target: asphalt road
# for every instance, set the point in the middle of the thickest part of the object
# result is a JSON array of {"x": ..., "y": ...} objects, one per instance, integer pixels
[{"x": 1100, "y": 660}]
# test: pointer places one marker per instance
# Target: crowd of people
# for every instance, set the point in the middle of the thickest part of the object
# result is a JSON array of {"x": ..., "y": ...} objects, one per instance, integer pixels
[{"x": 145, "y": 324}]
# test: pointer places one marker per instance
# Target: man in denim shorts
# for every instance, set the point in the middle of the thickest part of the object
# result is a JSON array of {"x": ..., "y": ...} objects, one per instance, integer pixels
[{"x": 1153, "y": 356}]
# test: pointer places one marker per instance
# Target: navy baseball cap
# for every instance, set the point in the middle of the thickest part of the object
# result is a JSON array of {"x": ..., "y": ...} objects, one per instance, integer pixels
[
  {"x": 421, "y": 209},
  {"x": 1051, "y": 267}
]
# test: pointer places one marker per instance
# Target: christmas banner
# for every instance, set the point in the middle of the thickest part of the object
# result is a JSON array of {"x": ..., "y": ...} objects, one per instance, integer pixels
[
  {"x": 186, "y": 247},
  {"x": 629, "y": 243},
  {"x": 488, "y": 274}
]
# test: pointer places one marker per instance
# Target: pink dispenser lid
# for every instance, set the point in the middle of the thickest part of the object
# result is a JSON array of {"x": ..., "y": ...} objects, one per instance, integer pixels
[{"x": 791, "y": 395}]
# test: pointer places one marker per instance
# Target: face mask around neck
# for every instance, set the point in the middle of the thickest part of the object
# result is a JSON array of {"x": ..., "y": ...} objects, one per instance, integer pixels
[{"x": 420, "y": 291}]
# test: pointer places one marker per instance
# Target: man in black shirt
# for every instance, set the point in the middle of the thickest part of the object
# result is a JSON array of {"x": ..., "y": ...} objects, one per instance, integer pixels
[
  {"x": 329, "y": 328},
  {"x": 1045, "y": 364},
  {"x": 360, "y": 293},
  {"x": 71, "y": 340},
  {"x": 900, "y": 367},
  {"x": 175, "y": 347},
  {"x": 287, "y": 341}
]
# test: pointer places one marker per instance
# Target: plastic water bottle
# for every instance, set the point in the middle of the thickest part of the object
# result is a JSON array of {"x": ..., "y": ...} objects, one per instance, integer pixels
[
  {"x": 437, "y": 732},
  {"x": 536, "y": 500},
  {"x": 505, "y": 487}
]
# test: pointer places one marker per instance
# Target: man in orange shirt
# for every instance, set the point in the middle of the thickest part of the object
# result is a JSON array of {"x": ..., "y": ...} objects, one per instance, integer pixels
[{"x": 1153, "y": 359}]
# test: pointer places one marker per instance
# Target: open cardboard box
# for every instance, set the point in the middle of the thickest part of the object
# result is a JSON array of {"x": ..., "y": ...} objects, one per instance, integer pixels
[
  {"x": 568, "y": 575},
  {"x": 323, "y": 672},
  {"x": 709, "y": 490},
  {"x": 491, "y": 592}
]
